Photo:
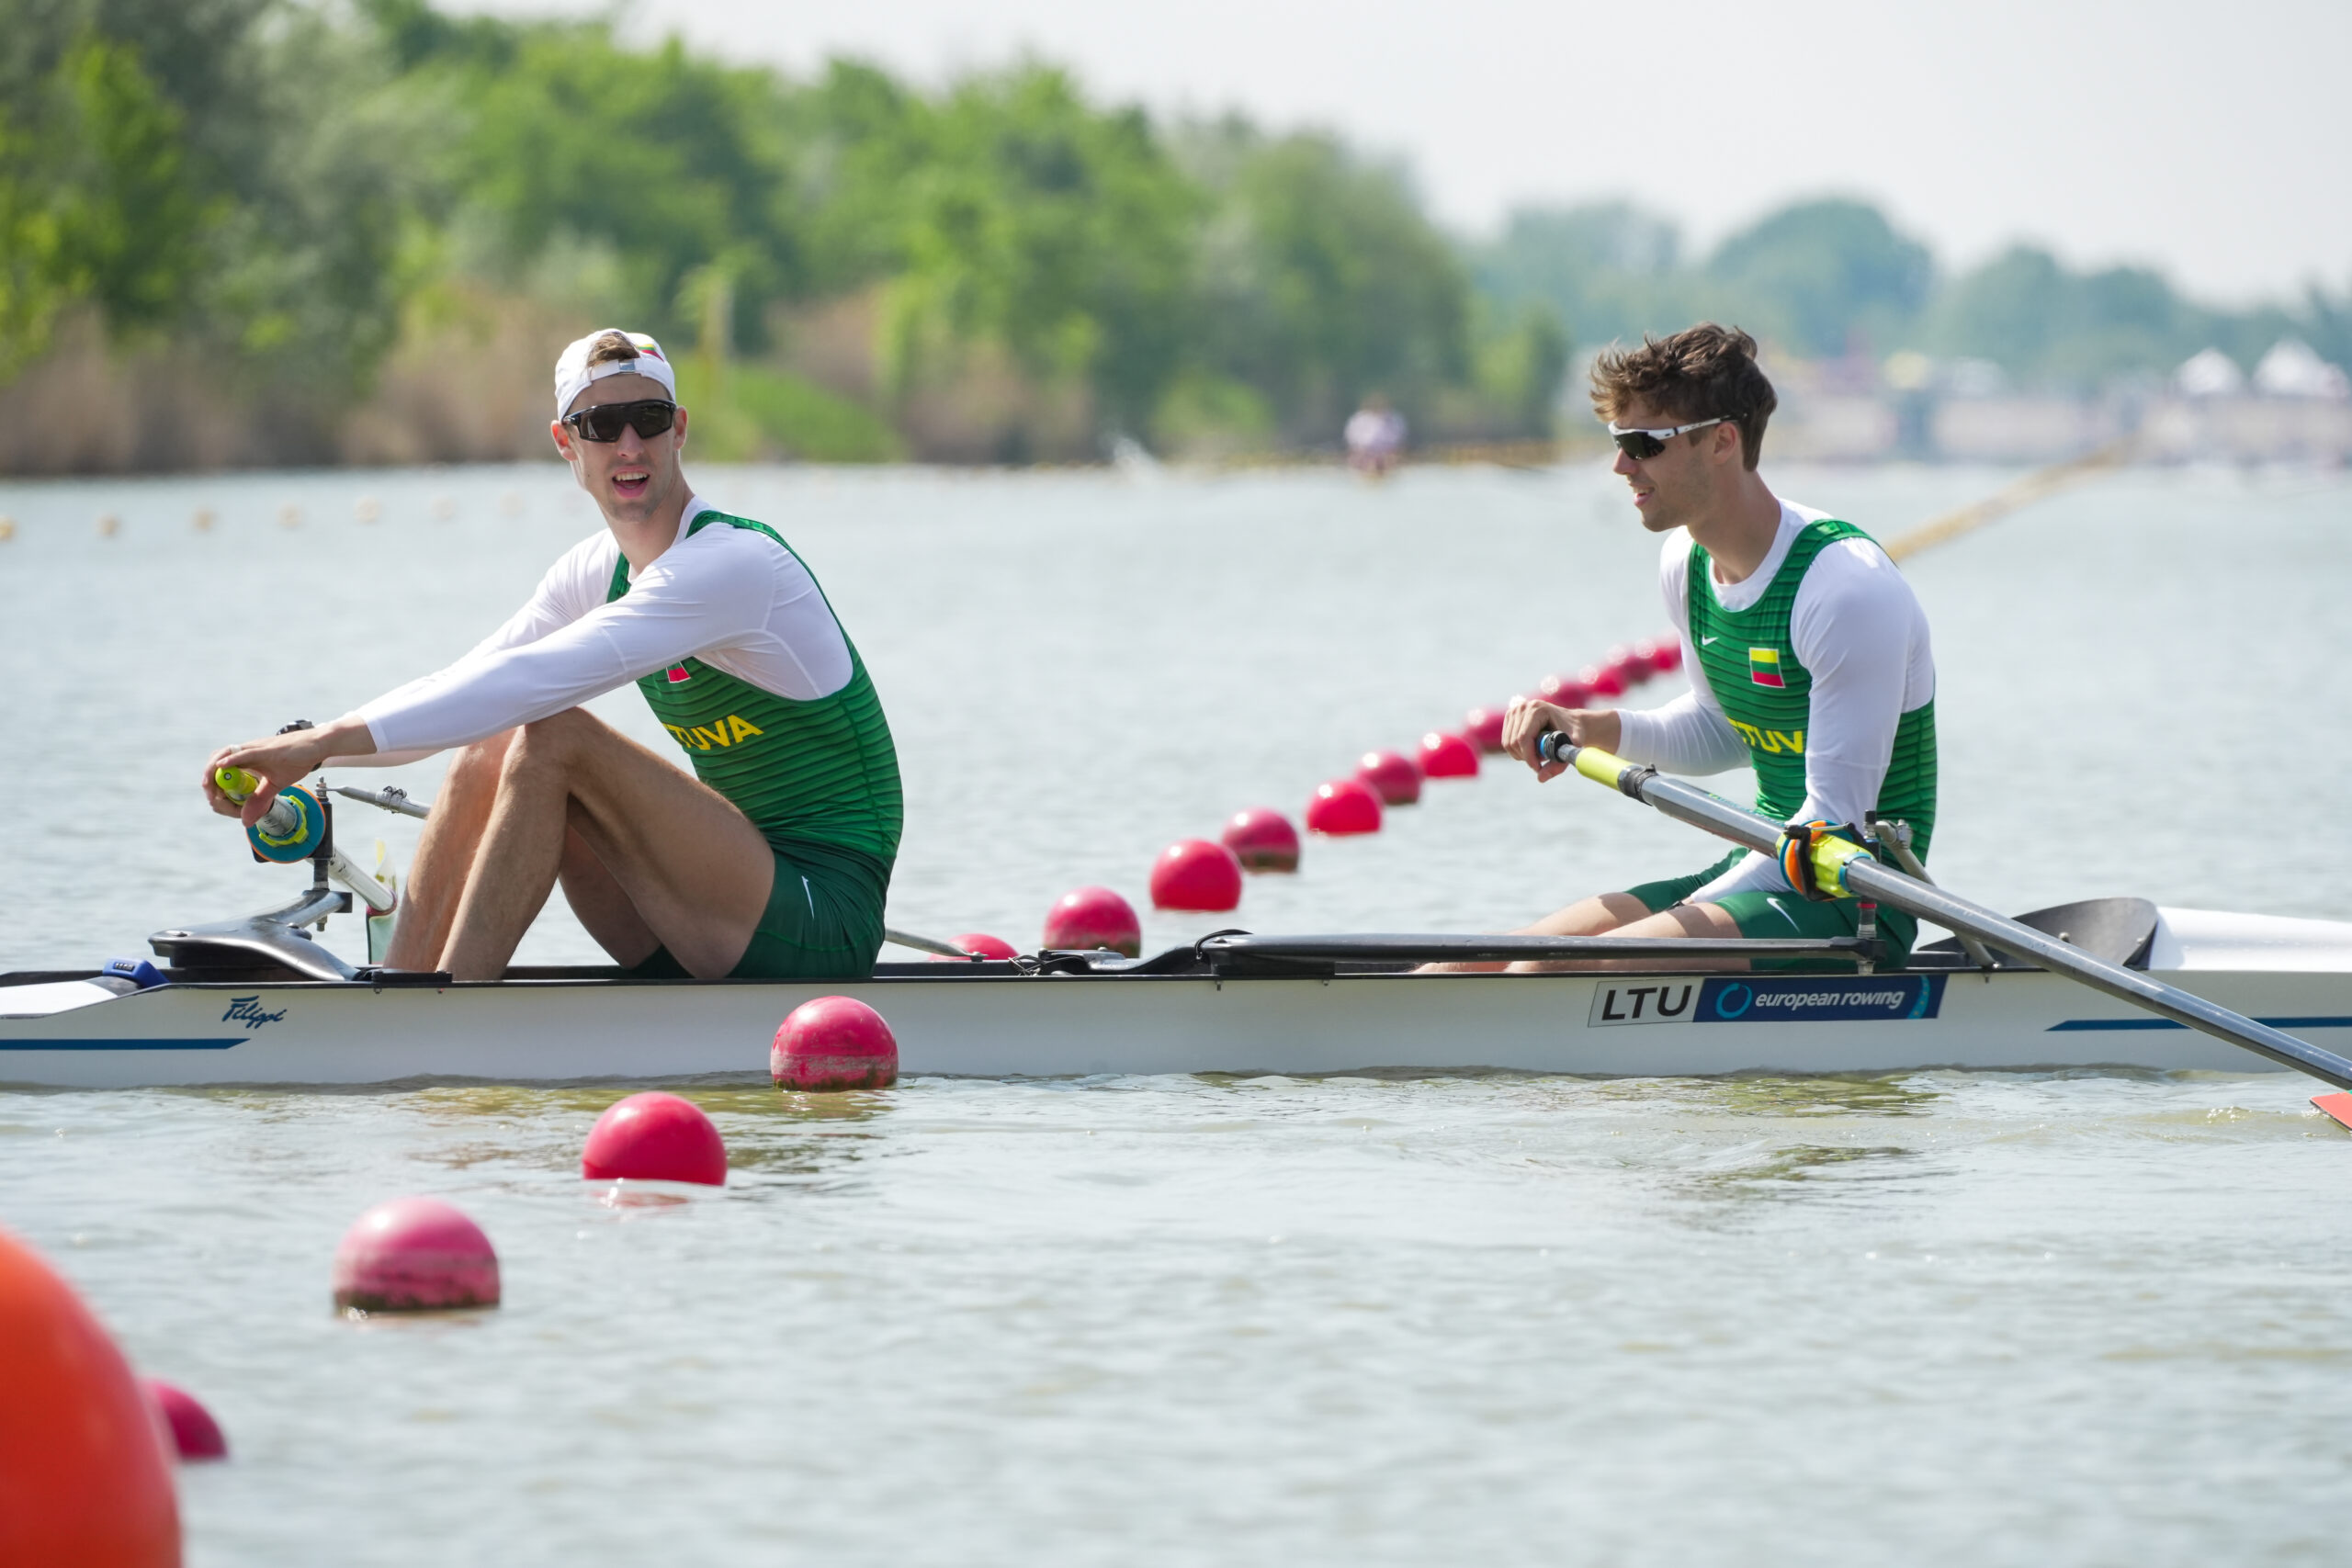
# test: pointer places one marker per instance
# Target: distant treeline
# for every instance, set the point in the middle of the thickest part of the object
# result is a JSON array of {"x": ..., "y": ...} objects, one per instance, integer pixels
[
  {"x": 274, "y": 231},
  {"x": 1821, "y": 279}
]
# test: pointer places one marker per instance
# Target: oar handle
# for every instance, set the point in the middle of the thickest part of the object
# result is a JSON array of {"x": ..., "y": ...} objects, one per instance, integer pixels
[
  {"x": 283, "y": 818},
  {"x": 1844, "y": 870}
]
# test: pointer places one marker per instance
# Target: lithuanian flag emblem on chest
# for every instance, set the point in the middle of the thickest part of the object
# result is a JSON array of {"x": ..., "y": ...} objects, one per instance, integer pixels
[{"x": 1764, "y": 666}]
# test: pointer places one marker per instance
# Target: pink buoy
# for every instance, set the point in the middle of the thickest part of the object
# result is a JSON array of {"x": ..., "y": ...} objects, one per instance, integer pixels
[
  {"x": 415, "y": 1255},
  {"x": 978, "y": 944},
  {"x": 654, "y": 1137},
  {"x": 1089, "y": 917},
  {"x": 1563, "y": 691},
  {"x": 1261, "y": 838},
  {"x": 1666, "y": 654},
  {"x": 195, "y": 1436},
  {"x": 834, "y": 1042},
  {"x": 1394, "y": 776},
  {"x": 1602, "y": 681},
  {"x": 1194, "y": 873},
  {"x": 1343, "y": 807},
  {"x": 1448, "y": 757},
  {"x": 1483, "y": 727}
]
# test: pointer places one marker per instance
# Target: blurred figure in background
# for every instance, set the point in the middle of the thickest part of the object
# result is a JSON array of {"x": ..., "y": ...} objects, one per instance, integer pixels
[{"x": 1375, "y": 437}]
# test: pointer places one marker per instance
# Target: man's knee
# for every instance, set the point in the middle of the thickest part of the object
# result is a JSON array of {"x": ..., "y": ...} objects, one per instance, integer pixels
[
  {"x": 555, "y": 743},
  {"x": 478, "y": 766}
]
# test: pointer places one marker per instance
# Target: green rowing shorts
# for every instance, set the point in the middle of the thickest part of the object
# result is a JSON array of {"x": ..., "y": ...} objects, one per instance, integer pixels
[
  {"x": 1760, "y": 914},
  {"x": 823, "y": 920}
]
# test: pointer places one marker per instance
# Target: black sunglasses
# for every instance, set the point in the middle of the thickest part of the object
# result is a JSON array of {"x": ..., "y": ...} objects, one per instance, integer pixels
[
  {"x": 603, "y": 423},
  {"x": 1642, "y": 444}
]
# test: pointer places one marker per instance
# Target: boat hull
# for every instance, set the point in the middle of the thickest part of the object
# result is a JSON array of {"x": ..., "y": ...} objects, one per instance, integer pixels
[{"x": 995, "y": 1025}]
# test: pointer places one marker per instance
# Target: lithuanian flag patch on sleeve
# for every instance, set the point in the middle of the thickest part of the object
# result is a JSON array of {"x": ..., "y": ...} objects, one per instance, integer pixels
[{"x": 1764, "y": 666}]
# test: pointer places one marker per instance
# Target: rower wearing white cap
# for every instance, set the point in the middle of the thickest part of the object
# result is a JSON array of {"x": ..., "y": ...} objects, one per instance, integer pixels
[{"x": 772, "y": 859}]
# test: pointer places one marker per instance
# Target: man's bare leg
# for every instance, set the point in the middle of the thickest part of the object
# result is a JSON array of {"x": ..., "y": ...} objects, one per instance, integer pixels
[
  {"x": 1600, "y": 915},
  {"x": 1709, "y": 921},
  {"x": 445, "y": 855},
  {"x": 690, "y": 866}
]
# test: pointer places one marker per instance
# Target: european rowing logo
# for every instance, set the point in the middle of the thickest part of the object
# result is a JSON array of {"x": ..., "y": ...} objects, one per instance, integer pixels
[
  {"x": 1764, "y": 666},
  {"x": 1841, "y": 999},
  {"x": 720, "y": 732},
  {"x": 676, "y": 675}
]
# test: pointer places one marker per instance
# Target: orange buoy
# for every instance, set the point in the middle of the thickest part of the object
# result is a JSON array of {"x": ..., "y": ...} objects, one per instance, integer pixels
[
  {"x": 1448, "y": 756},
  {"x": 1483, "y": 727},
  {"x": 654, "y": 1136},
  {"x": 1261, "y": 838},
  {"x": 1194, "y": 873},
  {"x": 1343, "y": 807},
  {"x": 1563, "y": 691},
  {"x": 1089, "y": 917},
  {"x": 978, "y": 944},
  {"x": 1666, "y": 653},
  {"x": 1394, "y": 776},
  {"x": 1601, "y": 680},
  {"x": 85, "y": 1475},
  {"x": 195, "y": 1436},
  {"x": 415, "y": 1255},
  {"x": 831, "y": 1044}
]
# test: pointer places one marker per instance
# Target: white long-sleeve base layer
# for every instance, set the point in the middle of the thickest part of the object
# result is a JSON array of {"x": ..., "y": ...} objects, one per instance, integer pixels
[
  {"x": 727, "y": 596},
  {"x": 1856, "y": 626}
]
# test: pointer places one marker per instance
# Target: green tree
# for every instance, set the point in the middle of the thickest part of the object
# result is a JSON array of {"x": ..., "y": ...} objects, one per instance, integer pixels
[
  {"x": 1816, "y": 274},
  {"x": 1323, "y": 281}
]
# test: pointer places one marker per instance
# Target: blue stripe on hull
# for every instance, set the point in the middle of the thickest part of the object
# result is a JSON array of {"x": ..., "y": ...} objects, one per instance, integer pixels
[
  {"x": 121, "y": 1045},
  {"x": 2080, "y": 1025}
]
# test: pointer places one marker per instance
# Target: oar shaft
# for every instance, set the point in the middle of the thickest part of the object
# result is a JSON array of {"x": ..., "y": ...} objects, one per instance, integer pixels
[{"x": 1866, "y": 877}]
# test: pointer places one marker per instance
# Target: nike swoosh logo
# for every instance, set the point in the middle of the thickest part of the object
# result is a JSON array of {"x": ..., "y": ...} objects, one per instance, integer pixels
[{"x": 1706, "y": 640}]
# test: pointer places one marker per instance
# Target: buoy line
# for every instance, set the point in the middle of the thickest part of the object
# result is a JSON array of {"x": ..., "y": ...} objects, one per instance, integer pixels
[{"x": 1190, "y": 876}]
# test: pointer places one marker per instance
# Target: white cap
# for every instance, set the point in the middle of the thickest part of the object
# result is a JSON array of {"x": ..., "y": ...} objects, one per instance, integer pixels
[{"x": 574, "y": 374}]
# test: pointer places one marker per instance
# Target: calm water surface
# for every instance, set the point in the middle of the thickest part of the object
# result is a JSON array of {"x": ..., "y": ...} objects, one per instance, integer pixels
[{"x": 1942, "y": 1318}]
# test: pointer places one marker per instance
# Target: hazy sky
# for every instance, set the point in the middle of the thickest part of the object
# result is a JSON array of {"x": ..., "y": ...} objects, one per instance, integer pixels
[{"x": 2208, "y": 140}]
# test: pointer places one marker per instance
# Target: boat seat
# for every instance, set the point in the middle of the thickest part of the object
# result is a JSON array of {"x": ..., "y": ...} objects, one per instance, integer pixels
[{"x": 2119, "y": 931}]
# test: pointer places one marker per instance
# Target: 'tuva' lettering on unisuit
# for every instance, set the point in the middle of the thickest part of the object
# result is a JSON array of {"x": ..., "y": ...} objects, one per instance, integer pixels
[
  {"x": 723, "y": 732},
  {"x": 1769, "y": 740}
]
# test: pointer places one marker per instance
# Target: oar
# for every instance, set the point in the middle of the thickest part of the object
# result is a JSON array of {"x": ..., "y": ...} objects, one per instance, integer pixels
[
  {"x": 397, "y": 800},
  {"x": 1841, "y": 867}
]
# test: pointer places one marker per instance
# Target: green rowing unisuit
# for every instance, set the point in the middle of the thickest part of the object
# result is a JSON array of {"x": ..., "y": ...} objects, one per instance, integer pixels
[
  {"x": 1752, "y": 668},
  {"x": 818, "y": 778}
]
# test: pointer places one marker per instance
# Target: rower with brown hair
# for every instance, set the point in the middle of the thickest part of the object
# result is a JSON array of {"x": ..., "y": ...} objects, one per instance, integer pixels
[
  {"x": 771, "y": 860},
  {"x": 1808, "y": 654}
]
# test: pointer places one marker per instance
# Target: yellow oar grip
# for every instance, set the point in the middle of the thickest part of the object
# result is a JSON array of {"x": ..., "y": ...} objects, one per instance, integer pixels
[
  {"x": 1600, "y": 767},
  {"x": 235, "y": 783}
]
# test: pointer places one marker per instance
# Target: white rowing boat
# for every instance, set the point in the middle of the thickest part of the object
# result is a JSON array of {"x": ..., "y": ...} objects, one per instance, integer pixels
[{"x": 1231, "y": 1005}]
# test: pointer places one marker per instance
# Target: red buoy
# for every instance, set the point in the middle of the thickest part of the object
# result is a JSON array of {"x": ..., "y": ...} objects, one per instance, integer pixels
[
  {"x": 1194, "y": 873},
  {"x": 1603, "y": 682},
  {"x": 1343, "y": 807},
  {"x": 195, "y": 1436},
  {"x": 1261, "y": 838},
  {"x": 1394, "y": 776},
  {"x": 1483, "y": 727},
  {"x": 1563, "y": 691},
  {"x": 979, "y": 944},
  {"x": 415, "y": 1255},
  {"x": 84, "y": 1478},
  {"x": 1628, "y": 666},
  {"x": 1448, "y": 757},
  {"x": 1666, "y": 654},
  {"x": 1095, "y": 917},
  {"x": 834, "y": 1042},
  {"x": 654, "y": 1136}
]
